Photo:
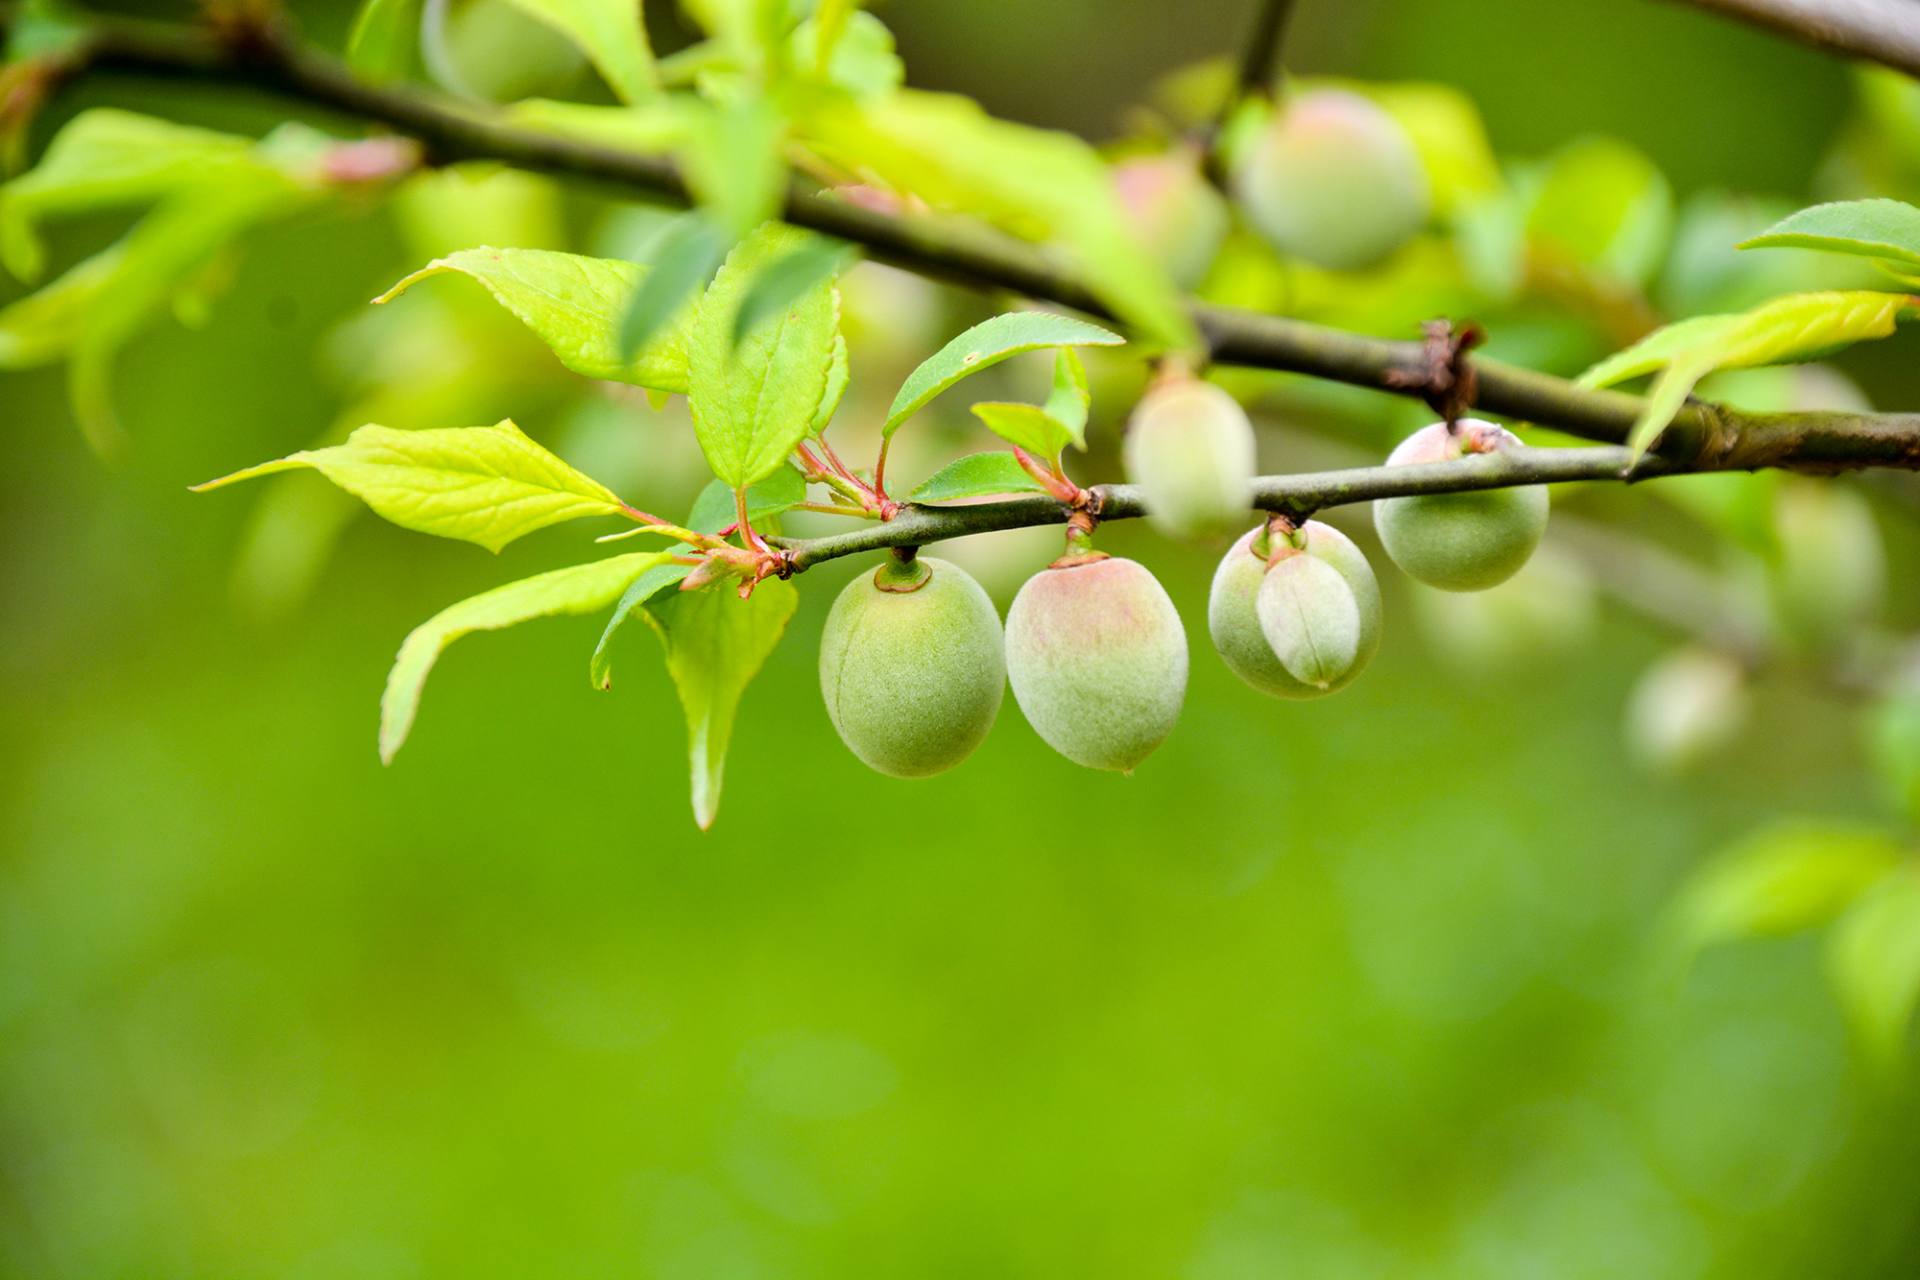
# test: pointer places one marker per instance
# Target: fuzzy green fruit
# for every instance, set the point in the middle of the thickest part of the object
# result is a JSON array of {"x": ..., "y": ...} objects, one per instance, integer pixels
[
  {"x": 912, "y": 667},
  {"x": 1461, "y": 541},
  {"x": 1098, "y": 661},
  {"x": 1233, "y": 611},
  {"x": 1334, "y": 180},
  {"x": 1174, "y": 213},
  {"x": 1190, "y": 449}
]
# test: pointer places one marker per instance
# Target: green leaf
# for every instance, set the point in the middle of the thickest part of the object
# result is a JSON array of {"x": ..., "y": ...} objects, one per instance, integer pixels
[
  {"x": 1800, "y": 326},
  {"x": 853, "y": 51},
  {"x": 611, "y": 34},
  {"x": 985, "y": 345},
  {"x": 487, "y": 485},
  {"x": 752, "y": 402},
  {"x": 580, "y": 588},
  {"x": 1070, "y": 399},
  {"x": 716, "y": 643},
  {"x": 978, "y": 475},
  {"x": 1779, "y": 881},
  {"x": 1605, "y": 206},
  {"x": 654, "y": 128},
  {"x": 1034, "y": 183},
  {"x": 575, "y": 305},
  {"x": 1873, "y": 961},
  {"x": 1026, "y": 426},
  {"x": 107, "y": 158},
  {"x": 1887, "y": 231},
  {"x": 788, "y": 279},
  {"x": 712, "y": 511},
  {"x": 839, "y": 377},
  {"x": 734, "y": 163},
  {"x": 385, "y": 33},
  {"x": 688, "y": 251},
  {"x": 43, "y": 326}
]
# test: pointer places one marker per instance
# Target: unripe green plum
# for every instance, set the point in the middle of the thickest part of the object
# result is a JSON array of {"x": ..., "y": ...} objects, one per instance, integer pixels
[
  {"x": 1174, "y": 213},
  {"x": 1460, "y": 541},
  {"x": 912, "y": 667},
  {"x": 1233, "y": 610},
  {"x": 1688, "y": 706},
  {"x": 1334, "y": 180},
  {"x": 1098, "y": 660},
  {"x": 1190, "y": 448},
  {"x": 1309, "y": 616},
  {"x": 1832, "y": 572}
]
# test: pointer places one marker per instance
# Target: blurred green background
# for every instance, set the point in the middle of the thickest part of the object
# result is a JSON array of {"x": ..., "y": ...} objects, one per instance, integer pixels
[{"x": 1353, "y": 989}]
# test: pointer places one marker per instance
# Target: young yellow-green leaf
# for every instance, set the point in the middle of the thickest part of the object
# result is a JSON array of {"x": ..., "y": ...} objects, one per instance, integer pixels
[
  {"x": 687, "y": 251},
  {"x": 43, "y": 326},
  {"x": 1034, "y": 183},
  {"x": 487, "y": 485},
  {"x": 788, "y": 279},
  {"x": 108, "y": 158},
  {"x": 1888, "y": 231},
  {"x": 385, "y": 33},
  {"x": 985, "y": 345},
  {"x": 1779, "y": 881},
  {"x": 1026, "y": 426},
  {"x": 716, "y": 643},
  {"x": 978, "y": 475},
  {"x": 655, "y": 128},
  {"x": 1800, "y": 326},
  {"x": 575, "y": 305},
  {"x": 854, "y": 52},
  {"x": 839, "y": 376},
  {"x": 580, "y": 588},
  {"x": 753, "y": 401},
  {"x": 1873, "y": 961},
  {"x": 611, "y": 34},
  {"x": 734, "y": 163}
]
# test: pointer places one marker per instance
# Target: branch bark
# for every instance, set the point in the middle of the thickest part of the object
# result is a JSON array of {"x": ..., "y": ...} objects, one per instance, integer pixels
[
  {"x": 1295, "y": 496},
  {"x": 1883, "y": 31},
  {"x": 1702, "y": 435}
]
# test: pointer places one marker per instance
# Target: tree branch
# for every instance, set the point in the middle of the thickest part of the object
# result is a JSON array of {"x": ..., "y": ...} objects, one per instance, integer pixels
[
  {"x": 1296, "y": 496},
  {"x": 1702, "y": 435},
  {"x": 1883, "y": 31}
]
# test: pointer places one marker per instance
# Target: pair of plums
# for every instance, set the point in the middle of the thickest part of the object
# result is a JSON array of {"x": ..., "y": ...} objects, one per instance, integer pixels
[{"x": 914, "y": 661}]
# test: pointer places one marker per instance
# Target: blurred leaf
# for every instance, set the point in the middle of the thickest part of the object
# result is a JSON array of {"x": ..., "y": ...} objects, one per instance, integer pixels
[
  {"x": 1887, "y": 231},
  {"x": 385, "y": 35},
  {"x": 985, "y": 345},
  {"x": 733, "y": 162},
  {"x": 1034, "y": 183},
  {"x": 977, "y": 475},
  {"x": 1026, "y": 426},
  {"x": 750, "y": 33},
  {"x": 1779, "y": 881},
  {"x": 716, "y": 643},
  {"x": 754, "y": 401},
  {"x": 839, "y": 377},
  {"x": 575, "y": 305},
  {"x": 684, "y": 257},
  {"x": 487, "y": 485},
  {"x": 580, "y": 588},
  {"x": 1706, "y": 272},
  {"x": 653, "y": 128},
  {"x": 107, "y": 158},
  {"x": 612, "y": 35},
  {"x": 1605, "y": 206},
  {"x": 1801, "y": 326},
  {"x": 786, "y": 280},
  {"x": 1873, "y": 960},
  {"x": 858, "y": 48},
  {"x": 43, "y": 326},
  {"x": 1893, "y": 742}
]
